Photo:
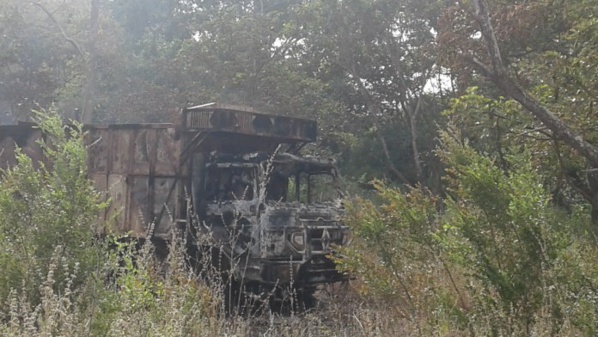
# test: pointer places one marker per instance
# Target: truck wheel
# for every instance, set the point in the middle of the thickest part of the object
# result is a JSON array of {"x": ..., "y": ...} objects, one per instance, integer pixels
[
  {"x": 306, "y": 299},
  {"x": 298, "y": 300}
]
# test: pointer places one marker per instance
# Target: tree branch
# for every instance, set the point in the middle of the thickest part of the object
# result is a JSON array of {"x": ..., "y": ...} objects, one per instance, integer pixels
[
  {"x": 498, "y": 75},
  {"x": 62, "y": 32},
  {"x": 374, "y": 111},
  {"x": 483, "y": 19}
]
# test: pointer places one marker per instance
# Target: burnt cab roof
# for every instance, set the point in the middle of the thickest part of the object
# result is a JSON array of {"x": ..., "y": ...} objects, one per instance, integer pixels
[
  {"x": 228, "y": 128},
  {"x": 218, "y": 117}
]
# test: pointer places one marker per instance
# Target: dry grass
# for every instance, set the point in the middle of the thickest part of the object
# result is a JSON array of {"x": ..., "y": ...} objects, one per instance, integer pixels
[
  {"x": 146, "y": 297},
  {"x": 179, "y": 304}
]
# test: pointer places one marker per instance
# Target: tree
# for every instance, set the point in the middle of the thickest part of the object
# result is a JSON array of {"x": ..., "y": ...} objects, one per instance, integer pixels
[
  {"x": 91, "y": 71},
  {"x": 511, "y": 48},
  {"x": 49, "y": 211},
  {"x": 33, "y": 58},
  {"x": 377, "y": 56}
]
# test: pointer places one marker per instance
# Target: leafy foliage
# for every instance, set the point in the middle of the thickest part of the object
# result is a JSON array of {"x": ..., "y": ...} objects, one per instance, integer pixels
[
  {"x": 497, "y": 247},
  {"x": 47, "y": 206}
]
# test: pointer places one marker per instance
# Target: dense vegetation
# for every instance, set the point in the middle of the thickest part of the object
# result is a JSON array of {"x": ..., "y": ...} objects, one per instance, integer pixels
[{"x": 467, "y": 132}]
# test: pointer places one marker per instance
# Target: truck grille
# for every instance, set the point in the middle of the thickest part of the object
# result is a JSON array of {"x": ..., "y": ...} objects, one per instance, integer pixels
[{"x": 321, "y": 235}]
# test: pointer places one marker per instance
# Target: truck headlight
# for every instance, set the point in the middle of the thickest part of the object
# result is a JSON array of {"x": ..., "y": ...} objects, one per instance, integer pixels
[{"x": 298, "y": 240}]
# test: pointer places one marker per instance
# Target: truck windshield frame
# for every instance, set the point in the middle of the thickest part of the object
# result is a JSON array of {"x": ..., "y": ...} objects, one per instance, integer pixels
[
  {"x": 285, "y": 182},
  {"x": 231, "y": 182},
  {"x": 299, "y": 185}
]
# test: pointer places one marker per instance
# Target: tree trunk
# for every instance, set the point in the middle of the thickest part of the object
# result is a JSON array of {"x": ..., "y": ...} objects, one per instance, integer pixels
[
  {"x": 414, "y": 148},
  {"x": 374, "y": 111},
  {"x": 592, "y": 178},
  {"x": 90, "y": 82},
  {"x": 548, "y": 118},
  {"x": 498, "y": 74}
]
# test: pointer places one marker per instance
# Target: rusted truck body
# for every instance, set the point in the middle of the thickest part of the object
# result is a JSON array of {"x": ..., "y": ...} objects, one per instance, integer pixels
[{"x": 229, "y": 179}]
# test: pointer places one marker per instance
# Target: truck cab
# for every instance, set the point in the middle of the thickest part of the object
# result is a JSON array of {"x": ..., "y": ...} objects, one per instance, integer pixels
[
  {"x": 287, "y": 210},
  {"x": 276, "y": 213}
]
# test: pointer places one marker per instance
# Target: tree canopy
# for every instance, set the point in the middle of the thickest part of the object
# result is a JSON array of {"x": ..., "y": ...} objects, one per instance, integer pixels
[{"x": 382, "y": 77}]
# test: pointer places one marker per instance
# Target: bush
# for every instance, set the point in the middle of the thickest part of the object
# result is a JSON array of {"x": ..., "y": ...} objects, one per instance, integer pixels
[
  {"x": 494, "y": 257},
  {"x": 44, "y": 208}
]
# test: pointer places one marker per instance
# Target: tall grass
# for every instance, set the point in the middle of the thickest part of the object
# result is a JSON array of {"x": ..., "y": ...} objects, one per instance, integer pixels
[{"x": 137, "y": 295}]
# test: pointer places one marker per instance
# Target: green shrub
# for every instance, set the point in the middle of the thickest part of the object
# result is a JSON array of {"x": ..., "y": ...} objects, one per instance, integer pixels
[
  {"x": 43, "y": 208},
  {"x": 493, "y": 257}
]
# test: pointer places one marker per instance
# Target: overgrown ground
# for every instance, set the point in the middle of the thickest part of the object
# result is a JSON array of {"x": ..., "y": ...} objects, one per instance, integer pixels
[
  {"x": 142, "y": 303},
  {"x": 494, "y": 256}
]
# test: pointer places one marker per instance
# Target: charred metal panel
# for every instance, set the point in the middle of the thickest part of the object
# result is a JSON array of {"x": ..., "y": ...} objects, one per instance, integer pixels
[
  {"x": 279, "y": 272},
  {"x": 115, "y": 213},
  {"x": 98, "y": 150},
  {"x": 238, "y": 143},
  {"x": 23, "y": 136},
  {"x": 167, "y": 153},
  {"x": 164, "y": 206},
  {"x": 100, "y": 183},
  {"x": 142, "y": 152},
  {"x": 141, "y": 169},
  {"x": 138, "y": 217},
  {"x": 32, "y": 149},
  {"x": 8, "y": 148},
  {"x": 119, "y": 151},
  {"x": 241, "y": 120}
]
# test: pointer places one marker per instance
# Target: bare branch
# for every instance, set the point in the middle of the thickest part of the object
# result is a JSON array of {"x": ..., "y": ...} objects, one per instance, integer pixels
[
  {"x": 539, "y": 130},
  {"x": 488, "y": 33},
  {"x": 481, "y": 67},
  {"x": 499, "y": 76},
  {"x": 62, "y": 32},
  {"x": 548, "y": 118},
  {"x": 374, "y": 111}
]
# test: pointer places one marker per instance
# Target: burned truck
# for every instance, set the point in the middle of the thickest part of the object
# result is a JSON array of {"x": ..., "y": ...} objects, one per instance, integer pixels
[{"x": 230, "y": 180}]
